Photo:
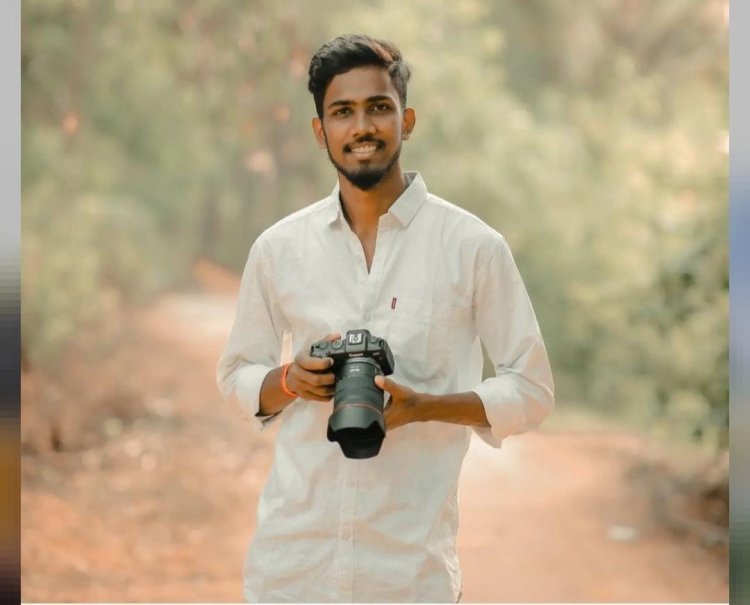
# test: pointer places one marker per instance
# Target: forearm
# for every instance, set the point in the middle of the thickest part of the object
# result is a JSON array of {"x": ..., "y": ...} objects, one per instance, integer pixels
[
  {"x": 272, "y": 398},
  {"x": 456, "y": 408}
]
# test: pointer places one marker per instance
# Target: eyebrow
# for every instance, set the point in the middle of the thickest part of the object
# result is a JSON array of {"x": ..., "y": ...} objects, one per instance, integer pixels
[{"x": 373, "y": 99}]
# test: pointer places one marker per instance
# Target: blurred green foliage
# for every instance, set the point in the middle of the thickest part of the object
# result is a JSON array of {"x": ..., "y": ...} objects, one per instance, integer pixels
[{"x": 593, "y": 135}]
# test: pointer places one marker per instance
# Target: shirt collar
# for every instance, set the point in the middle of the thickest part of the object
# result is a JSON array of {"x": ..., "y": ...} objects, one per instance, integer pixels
[{"x": 403, "y": 209}]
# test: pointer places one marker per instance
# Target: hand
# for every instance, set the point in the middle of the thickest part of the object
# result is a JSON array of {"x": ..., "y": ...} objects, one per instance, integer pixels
[
  {"x": 310, "y": 377},
  {"x": 403, "y": 405}
]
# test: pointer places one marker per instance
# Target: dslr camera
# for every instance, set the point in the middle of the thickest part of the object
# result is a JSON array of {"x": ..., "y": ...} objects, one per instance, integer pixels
[{"x": 357, "y": 419}]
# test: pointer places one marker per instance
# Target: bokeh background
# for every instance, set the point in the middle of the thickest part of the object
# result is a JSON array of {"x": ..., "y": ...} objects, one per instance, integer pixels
[{"x": 160, "y": 138}]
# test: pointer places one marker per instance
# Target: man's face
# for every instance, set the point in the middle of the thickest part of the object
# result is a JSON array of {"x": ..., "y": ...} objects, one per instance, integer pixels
[{"x": 363, "y": 125}]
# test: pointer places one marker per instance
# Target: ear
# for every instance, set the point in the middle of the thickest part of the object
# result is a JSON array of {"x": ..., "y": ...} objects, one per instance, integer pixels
[
  {"x": 407, "y": 123},
  {"x": 320, "y": 135}
]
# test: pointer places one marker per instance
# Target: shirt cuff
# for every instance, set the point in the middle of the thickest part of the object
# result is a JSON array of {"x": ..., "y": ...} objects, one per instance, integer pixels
[
  {"x": 247, "y": 390},
  {"x": 504, "y": 408}
]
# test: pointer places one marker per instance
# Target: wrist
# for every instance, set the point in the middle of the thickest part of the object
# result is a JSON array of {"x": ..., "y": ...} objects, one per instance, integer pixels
[
  {"x": 423, "y": 405},
  {"x": 272, "y": 398},
  {"x": 284, "y": 386}
]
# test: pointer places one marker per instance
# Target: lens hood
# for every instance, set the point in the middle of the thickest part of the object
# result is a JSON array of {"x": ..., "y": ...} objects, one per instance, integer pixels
[{"x": 359, "y": 429}]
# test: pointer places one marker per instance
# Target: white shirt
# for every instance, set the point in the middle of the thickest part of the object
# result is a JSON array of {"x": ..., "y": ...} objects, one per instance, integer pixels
[{"x": 383, "y": 529}]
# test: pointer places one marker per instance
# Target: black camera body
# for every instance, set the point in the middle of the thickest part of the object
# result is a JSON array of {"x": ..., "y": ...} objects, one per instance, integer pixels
[
  {"x": 357, "y": 420},
  {"x": 357, "y": 343}
]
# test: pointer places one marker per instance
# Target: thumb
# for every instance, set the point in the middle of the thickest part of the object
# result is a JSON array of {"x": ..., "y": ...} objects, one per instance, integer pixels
[{"x": 384, "y": 383}]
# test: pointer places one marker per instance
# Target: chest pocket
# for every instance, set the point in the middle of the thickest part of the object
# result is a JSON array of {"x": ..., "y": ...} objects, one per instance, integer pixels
[{"x": 421, "y": 334}]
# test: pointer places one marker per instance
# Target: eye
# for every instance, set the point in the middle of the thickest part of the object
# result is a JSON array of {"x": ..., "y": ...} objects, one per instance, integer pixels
[
  {"x": 381, "y": 107},
  {"x": 341, "y": 112}
]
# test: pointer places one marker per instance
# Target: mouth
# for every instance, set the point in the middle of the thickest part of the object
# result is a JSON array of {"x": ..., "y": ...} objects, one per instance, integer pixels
[{"x": 364, "y": 150}]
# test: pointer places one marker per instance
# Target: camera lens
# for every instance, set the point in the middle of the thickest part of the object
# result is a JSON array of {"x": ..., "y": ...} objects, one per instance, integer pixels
[{"x": 357, "y": 420}]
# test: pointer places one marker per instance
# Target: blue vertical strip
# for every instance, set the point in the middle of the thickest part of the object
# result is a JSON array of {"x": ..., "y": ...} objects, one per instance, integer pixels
[{"x": 739, "y": 291}]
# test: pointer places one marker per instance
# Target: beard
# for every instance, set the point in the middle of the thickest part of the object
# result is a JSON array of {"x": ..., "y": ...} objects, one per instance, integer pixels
[{"x": 366, "y": 177}]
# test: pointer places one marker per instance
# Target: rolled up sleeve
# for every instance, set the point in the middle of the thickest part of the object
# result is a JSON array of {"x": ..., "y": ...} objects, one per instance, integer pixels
[
  {"x": 253, "y": 345},
  {"x": 521, "y": 394}
]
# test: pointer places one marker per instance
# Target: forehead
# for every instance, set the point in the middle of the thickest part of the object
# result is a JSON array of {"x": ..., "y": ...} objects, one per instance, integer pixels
[{"x": 359, "y": 84}]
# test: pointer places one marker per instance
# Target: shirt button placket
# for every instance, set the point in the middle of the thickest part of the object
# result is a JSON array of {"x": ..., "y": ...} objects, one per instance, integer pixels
[{"x": 374, "y": 279}]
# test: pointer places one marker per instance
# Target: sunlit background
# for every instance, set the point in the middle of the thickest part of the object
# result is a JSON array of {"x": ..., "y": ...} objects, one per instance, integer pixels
[{"x": 160, "y": 138}]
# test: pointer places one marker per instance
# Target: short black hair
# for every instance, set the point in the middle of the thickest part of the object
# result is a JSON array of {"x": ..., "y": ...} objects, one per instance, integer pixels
[{"x": 355, "y": 50}]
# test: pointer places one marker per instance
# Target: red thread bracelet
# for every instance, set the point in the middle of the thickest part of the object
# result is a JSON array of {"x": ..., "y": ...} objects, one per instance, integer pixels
[{"x": 285, "y": 388}]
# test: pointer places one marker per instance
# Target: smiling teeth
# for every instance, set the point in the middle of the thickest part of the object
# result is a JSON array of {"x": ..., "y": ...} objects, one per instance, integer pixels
[{"x": 367, "y": 149}]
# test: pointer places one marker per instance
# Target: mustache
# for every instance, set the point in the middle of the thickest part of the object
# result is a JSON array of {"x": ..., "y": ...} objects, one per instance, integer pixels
[{"x": 364, "y": 139}]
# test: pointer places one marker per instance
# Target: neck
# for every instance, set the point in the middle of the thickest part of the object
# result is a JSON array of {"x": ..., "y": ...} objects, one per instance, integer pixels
[{"x": 363, "y": 209}]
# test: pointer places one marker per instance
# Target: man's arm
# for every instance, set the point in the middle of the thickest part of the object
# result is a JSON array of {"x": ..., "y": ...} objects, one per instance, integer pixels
[
  {"x": 521, "y": 394},
  {"x": 408, "y": 406},
  {"x": 247, "y": 368},
  {"x": 307, "y": 377},
  {"x": 252, "y": 350}
]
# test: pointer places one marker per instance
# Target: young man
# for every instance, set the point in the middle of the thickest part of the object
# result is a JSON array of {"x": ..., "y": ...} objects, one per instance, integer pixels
[{"x": 379, "y": 253}]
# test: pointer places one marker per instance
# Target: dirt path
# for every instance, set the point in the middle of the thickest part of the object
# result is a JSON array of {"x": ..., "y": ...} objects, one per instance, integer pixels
[
  {"x": 559, "y": 518},
  {"x": 153, "y": 499}
]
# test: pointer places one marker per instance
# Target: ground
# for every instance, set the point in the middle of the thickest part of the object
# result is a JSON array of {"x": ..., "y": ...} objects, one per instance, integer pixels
[{"x": 140, "y": 485}]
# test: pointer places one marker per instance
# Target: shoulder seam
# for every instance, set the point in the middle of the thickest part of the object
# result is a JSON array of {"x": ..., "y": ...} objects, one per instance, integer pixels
[
  {"x": 298, "y": 215},
  {"x": 454, "y": 208}
]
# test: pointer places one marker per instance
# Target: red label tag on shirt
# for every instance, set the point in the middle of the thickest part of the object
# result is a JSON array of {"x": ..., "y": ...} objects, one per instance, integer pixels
[{"x": 393, "y": 303}]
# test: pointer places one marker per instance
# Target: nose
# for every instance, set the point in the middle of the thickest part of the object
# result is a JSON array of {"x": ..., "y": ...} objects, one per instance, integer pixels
[{"x": 363, "y": 124}]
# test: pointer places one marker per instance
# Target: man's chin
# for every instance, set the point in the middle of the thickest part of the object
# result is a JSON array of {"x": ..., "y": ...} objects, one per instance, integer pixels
[
  {"x": 365, "y": 180},
  {"x": 365, "y": 177}
]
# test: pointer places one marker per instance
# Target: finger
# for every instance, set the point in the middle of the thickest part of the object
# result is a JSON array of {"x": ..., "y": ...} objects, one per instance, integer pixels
[
  {"x": 325, "y": 392},
  {"x": 306, "y": 387},
  {"x": 314, "y": 379},
  {"x": 303, "y": 383},
  {"x": 314, "y": 364},
  {"x": 333, "y": 336},
  {"x": 314, "y": 397}
]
